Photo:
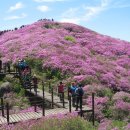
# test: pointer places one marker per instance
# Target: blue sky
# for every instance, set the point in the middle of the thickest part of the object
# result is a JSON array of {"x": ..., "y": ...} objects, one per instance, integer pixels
[{"x": 108, "y": 17}]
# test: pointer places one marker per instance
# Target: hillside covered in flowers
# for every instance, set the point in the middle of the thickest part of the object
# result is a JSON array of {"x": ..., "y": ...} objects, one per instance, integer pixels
[{"x": 71, "y": 49}]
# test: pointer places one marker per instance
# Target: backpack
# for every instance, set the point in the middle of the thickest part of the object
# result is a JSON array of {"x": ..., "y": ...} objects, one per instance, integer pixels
[{"x": 79, "y": 92}]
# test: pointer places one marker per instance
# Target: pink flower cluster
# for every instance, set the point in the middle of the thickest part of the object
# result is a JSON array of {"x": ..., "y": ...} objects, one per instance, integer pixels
[
  {"x": 120, "y": 96},
  {"x": 121, "y": 105}
]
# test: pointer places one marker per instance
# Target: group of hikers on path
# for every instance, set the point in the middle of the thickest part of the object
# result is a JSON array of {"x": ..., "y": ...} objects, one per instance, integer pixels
[
  {"x": 25, "y": 73},
  {"x": 75, "y": 90}
]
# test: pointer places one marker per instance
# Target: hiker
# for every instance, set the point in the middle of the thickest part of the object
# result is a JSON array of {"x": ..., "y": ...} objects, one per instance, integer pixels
[
  {"x": 22, "y": 65},
  {"x": 72, "y": 91},
  {"x": 17, "y": 66},
  {"x": 35, "y": 83},
  {"x": 26, "y": 76},
  {"x": 61, "y": 91},
  {"x": 27, "y": 70},
  {"x": 79, "y": 94}
]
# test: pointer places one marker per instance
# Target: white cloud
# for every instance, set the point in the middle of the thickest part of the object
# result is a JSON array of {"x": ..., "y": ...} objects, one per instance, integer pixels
[
  {"x": 48, "y": 0},
  {"x": 84, "y": 13},
  {"x": 16, "y": 17},
  {"x": 69, "y": 16},
  {"x": 92, "y": 11},
  {"x": 17, "y": 6},
  {"x": 70, "y": 12},
  {"x": 70, "y": 20},
  {"x": 43, "y": 8}
]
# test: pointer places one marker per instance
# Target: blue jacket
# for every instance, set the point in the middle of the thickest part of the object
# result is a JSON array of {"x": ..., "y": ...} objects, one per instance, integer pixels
[{"x": 73, "y": 88}]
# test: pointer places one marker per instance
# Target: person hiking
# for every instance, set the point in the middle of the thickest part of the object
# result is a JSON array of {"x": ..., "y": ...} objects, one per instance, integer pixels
[
  {"x": 72, "y": 91},
  {"x": 61, "y": 91},
  {"x": 26, "y": 77},
  {"x": 22, "y": 65},
  {"x": 79, "y": 94}
]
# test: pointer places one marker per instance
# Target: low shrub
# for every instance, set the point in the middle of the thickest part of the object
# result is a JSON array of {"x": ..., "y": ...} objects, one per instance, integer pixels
[{"x": 70, "y": 38}]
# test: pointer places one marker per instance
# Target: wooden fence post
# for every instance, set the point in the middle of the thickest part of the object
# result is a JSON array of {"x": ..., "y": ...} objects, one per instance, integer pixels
[
  {"x": 52, "y": 98},
  {"x": 7, "y": 106},
  {"x": 35, "y": 105},
  {"x": 93, "y": 114},
  {"x": 2, "y": 106},
  {"x": 63, "y": 99},
  {"x": 70, "y": 103},
  {"x": 68, "y": 91},
  {"x": 49, "y": 87},
  {"x": 43, "y": 102},
  {"x": 0, "y": 65}
]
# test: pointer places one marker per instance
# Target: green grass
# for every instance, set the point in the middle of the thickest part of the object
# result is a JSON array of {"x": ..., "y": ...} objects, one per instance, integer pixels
[
  {"x": 119, "y": 124},
  {"x": 70, "y": 38}
]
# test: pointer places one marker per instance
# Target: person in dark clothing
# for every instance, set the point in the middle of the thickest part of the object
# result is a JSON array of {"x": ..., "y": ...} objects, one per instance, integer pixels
[
  {"x": 72, "y": 90},
  {"x": 22, "y": 65},
  {"x": 79, "y": 95},
  {"x": 61, "y": 91}
]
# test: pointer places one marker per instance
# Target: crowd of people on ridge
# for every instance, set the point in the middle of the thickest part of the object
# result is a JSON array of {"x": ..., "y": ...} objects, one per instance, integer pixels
[{"x": 46, "y": 19}]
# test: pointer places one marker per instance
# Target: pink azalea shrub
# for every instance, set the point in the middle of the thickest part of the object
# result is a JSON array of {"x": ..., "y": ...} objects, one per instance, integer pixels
[
  {"x": 98, "y": 89},
  {"x": 90, "y": 57},
  {"x": 100, "y": 104},
  {"x": 122, "y": 105},
  {"x": 121, "y": 108},
  {"x": 120, "y": 96},
  {"x": 105, "y": 125}
]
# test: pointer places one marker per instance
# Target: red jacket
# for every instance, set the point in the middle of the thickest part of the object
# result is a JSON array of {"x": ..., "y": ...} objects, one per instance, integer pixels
[{"x": 60, "y": 88}]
